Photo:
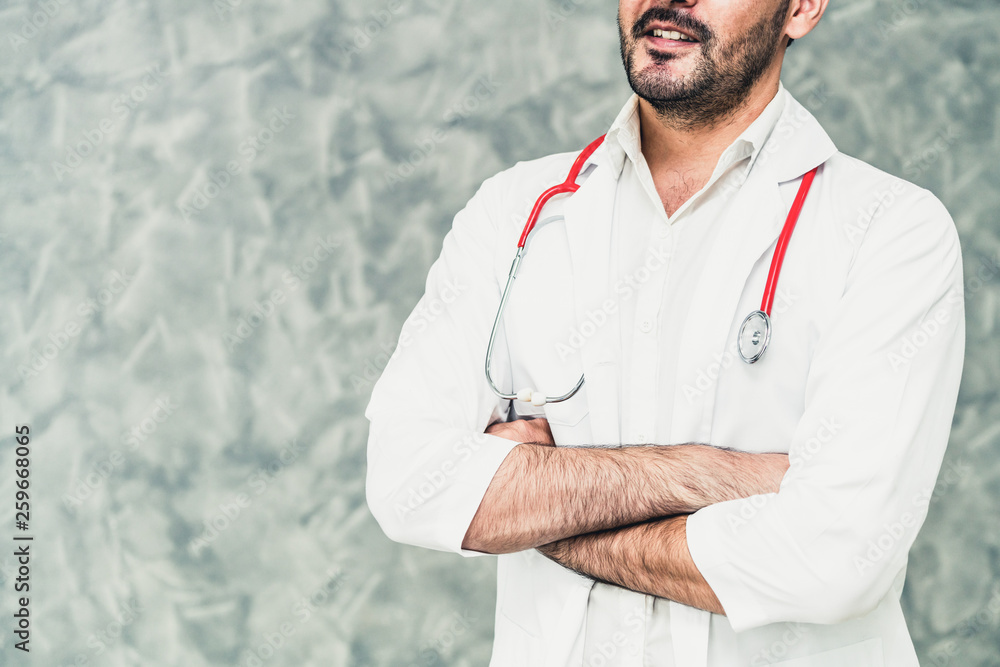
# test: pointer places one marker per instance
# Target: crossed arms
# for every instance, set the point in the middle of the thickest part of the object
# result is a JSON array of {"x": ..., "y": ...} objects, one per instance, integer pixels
[
  {"x": 617, "y": 515},
  {"x": 640, "y": 517}
]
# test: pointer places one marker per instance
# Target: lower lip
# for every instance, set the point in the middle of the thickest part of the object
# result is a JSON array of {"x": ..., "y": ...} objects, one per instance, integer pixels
[{"x": 669, "y": 44}]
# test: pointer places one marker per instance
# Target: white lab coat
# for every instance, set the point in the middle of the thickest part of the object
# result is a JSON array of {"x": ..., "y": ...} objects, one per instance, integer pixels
[{"x": 859, "y": 386}]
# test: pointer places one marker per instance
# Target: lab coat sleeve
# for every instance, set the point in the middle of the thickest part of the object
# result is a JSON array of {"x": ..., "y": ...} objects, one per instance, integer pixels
[
  {"x": 880, "y": 398},
  {"x": 429, "y": 462}
]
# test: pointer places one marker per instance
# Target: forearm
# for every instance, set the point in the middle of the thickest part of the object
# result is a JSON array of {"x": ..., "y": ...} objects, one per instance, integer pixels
[
  {"x": 542, "y": 494},
  {"x": 649, "y": 557}
]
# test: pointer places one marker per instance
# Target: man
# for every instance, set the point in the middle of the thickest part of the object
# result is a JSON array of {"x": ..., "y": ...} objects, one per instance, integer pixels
[{"x": 775, "y": 527}]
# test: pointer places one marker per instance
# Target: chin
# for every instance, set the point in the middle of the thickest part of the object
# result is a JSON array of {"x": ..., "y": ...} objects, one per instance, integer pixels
[
  {"x": 666, "y": 72},
  {"x": 678, "y": 65}
]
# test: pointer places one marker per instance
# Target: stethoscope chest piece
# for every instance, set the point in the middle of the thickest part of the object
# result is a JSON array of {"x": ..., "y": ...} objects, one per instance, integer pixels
[{"x": 755, "y": 333}]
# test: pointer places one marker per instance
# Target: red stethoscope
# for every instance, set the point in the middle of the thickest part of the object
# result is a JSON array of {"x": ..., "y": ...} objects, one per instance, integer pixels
[{"x": 754, "y": 334}]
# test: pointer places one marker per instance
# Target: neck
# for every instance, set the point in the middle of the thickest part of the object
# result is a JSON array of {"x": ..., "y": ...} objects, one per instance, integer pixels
[{"x": 669, "y": 146}]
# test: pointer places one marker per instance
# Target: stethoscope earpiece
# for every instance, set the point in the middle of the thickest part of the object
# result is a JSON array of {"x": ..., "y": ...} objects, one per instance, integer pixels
[{"x": 536, "y": 398}]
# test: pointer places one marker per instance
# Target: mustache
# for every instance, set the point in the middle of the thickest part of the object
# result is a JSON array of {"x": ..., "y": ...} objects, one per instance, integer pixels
[{"x": 671, "y": 15}]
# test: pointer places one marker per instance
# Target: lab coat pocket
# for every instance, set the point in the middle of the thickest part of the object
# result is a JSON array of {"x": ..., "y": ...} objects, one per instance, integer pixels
[
  {"x": 516, "y": 590},
  {"x": 568, "y": 420},
  {"x": 569, "y": 412},
  {"x": 513, "y": 647},
  {"x": 863, "y": 654}
]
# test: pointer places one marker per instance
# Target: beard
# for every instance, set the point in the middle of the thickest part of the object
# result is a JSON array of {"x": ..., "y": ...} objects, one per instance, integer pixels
[{"x": 721, "y": 80}]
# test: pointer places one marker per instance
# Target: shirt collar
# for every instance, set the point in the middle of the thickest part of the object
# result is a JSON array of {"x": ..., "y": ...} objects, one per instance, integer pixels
[{"x": 623, "y": 136}]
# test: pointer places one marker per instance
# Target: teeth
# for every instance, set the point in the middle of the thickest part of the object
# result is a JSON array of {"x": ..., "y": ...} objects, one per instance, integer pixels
[{"x": 672, "y": 34}]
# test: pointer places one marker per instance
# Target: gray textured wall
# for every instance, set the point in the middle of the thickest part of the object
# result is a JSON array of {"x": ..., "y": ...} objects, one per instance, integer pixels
[{"x": 193, "y": 347}]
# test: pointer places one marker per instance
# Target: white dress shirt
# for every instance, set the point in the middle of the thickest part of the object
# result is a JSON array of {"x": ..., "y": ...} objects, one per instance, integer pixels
[{"x": 660, "y": 258}]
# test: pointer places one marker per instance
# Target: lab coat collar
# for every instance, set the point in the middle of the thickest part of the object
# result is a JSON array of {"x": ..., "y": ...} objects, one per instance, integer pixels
[{"x": 795, "y": 142}]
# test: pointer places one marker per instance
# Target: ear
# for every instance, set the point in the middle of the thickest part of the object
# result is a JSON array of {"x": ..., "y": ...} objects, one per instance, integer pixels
[{"x": 805, "y": 15}]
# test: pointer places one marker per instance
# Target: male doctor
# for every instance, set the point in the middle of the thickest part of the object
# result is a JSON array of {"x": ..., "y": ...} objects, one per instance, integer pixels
[{"x": 684, "y": 508}]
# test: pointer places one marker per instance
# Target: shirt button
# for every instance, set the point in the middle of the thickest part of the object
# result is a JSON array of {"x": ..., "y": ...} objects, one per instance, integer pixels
[
  {"x": 646, "y": 326},
  {"x": 664, "y": 230},
  {"x": 641, "y": 438}
]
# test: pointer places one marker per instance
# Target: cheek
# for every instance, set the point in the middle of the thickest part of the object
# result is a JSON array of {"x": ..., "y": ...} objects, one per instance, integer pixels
[
  {"x": 628, "y": 12},
  {"x": 732, "y": 17}
]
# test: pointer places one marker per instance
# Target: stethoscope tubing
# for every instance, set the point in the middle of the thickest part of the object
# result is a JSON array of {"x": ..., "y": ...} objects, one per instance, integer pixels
[
  {"x": 566, "y": 187},
  {"x": 771, "y": 286},
  {"x": 757, "y": 325},
  {"x": 570, "y": 186}
]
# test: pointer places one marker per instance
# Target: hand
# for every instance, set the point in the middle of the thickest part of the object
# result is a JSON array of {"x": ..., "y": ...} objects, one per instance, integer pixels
[{"x": 535, "y": 431}]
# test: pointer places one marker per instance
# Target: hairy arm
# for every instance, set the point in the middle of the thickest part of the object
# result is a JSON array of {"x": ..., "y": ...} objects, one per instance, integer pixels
[
  {"x": 650, "y": 557},
  {"x": 541, "y": 493},
  {"x": 803, "y": 555}
]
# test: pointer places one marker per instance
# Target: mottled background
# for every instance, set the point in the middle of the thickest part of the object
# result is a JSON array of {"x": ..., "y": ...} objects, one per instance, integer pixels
[{"x": 193, "y": 348}]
